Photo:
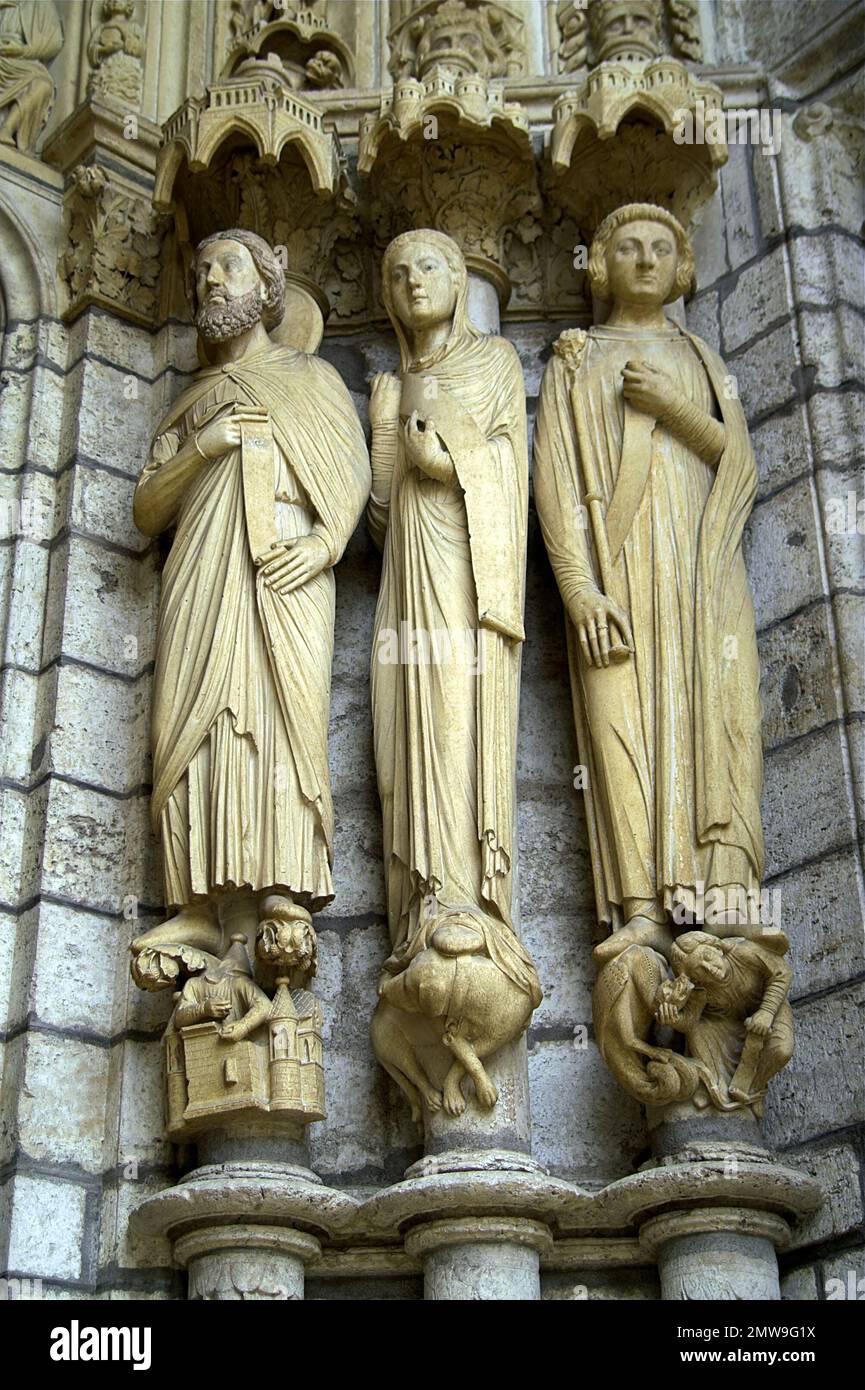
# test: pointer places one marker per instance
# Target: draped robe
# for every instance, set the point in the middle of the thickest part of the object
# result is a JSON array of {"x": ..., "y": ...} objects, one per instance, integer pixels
[
  {"x": 445, "y": 712},
  {"x": 241, "y": 795},
  {"x": 670, "y": 737},
  {"x": 24, "y": 78}
]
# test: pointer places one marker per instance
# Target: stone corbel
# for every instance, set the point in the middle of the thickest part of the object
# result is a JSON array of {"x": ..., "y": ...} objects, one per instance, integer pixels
[
  {"x": 450, "y": 153},
  {"x": 253, "y": 153}
]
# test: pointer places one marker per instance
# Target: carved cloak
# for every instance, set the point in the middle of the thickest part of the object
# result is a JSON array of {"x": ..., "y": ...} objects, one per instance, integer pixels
[
  {"x": 454, "y": 559},
  {"x": 671, "y": 738},
  {"x": 219, "y": 625}
]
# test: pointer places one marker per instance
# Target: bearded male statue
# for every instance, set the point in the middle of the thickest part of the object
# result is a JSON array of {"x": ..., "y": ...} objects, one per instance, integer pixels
[{"x": 261, "y": 470}]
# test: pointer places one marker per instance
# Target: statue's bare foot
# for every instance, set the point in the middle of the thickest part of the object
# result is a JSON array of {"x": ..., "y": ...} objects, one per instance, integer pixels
[
  {"x": 486, "y": 1092},
  {"x": 433, "y": 1098},
  {"x": 639, "y": 931},
  {"x": 454, "y": 1100}
]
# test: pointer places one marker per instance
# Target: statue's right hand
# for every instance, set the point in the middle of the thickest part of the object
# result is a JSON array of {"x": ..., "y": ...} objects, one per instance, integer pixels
[
  {"x": 594, "y": 616},
  {"x": 384, "y": 399},
  {"x": 219, "y": 437},
  {"x": 218, "y": 1008}
]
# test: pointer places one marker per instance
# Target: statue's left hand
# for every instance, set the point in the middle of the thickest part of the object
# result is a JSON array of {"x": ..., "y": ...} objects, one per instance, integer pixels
[
  {"x": 294, "y": 563},
  {"x": 649, "y": 388},
  {"x": 229, "y": 1031}
]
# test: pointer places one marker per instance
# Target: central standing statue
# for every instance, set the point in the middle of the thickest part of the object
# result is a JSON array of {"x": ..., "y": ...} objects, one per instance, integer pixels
[
  {"x": 449, "y": 509},
  {"x": 261, "y": 469}
]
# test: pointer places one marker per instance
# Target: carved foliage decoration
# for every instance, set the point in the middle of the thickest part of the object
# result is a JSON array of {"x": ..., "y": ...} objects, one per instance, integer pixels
[
  {"x": 114, "y": 242},
  {"x": 477, "y": 193}
]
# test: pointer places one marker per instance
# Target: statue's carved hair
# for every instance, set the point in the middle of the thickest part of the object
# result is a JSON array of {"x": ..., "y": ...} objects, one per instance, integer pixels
[
  {"x": 640, "y": 212},
  {"x": 691, "y": 941},
  {"x": 266, "y": 263}
]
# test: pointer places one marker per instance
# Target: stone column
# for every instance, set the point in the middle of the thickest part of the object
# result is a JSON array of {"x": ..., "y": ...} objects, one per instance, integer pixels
[
  {"x": 246, "y": 1262},
  {"x": 481, "y": 1257},
  {"x": 716, "y": 1253},
  {"x": 726, "y": 1251}
]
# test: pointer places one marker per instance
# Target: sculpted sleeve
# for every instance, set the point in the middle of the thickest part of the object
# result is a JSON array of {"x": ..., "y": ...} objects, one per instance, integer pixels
[{"x": 558, "y": 492}]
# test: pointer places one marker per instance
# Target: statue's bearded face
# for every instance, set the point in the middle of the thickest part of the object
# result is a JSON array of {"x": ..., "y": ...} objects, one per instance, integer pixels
[
  {"x": 229, "y": 290},
  {"x": 422, "y": 287},
  {"x": 641, "y": 259}
]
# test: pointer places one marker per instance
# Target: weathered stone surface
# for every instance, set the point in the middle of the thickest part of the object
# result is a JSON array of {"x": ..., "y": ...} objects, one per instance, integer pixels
[
  {"x": 47, "y": 1227},
  {"x": 704, "y": 318},
  {"x": 782, "y": 554},
  {"x": 94, "y": 847},
  {"x": 766, "y": 373},
  {"x": 79, "y": 978},
  {"x": 561, "y": 948},
  {"x": 593, "y": 1285},
  {"x": 101, "y": 506},
  {"x": 823, "y": 1087},
  {"x": 805, "y": 813},
  {"x": 799, "y": 684},
  {"x": 759, "y": 300},
  {"x": 583, "y": 1124},
  {"x": 831, "y": 341},
  {"x": 741, "y": 234},
  {"x": 62, "y": 1105},
  {"x": 350, "y": 748},
  {"x": 836, "y": 1166},
  {"x": 849, "y": 610},
  {"x": 827, "y": 268},
  {"x": 21, "y": 831},
  {"x": 844, "y": 1277},
  {"x": 820, "y": 909},
  {"x": 555, "y": 875},
  {"x": 106, "y": 613},
  {"x": 781, "y": 449},
  {"x": 101, "y": 732},
  {"x": 838, "y": 429},
  {"x": 800, "y": 1284},
  {"x": 546, "y": 745}
]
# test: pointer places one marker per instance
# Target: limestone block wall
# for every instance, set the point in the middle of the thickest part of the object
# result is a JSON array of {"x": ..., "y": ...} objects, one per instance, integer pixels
[{"x": 780, "y": 295}]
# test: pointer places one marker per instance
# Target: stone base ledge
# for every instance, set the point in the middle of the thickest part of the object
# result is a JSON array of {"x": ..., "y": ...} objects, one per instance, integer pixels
[{"x": 619, "y": 1226}]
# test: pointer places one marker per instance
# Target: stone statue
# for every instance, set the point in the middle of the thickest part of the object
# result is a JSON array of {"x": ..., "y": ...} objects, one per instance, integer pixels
[
  {"x": 225, "y": 994},
  {"x": 644, "y": 477},
  {"x": 261, "y": 468},
  {"x": 31, "y": 36},
  {"x": 116, "y": 51},
  {"x": 449, "y": 508}
]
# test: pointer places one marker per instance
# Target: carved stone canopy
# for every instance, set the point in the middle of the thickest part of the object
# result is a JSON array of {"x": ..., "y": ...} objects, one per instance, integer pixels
[
  {"x": 297, "y": 44},
  {"x": 466, "y": 37},
  {"x": 637, "y": 132},
  {"x": 253, "y": 153},
  {"x": 452, "y": 154}
]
